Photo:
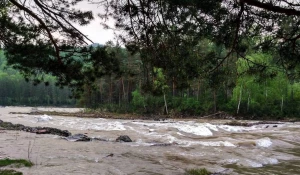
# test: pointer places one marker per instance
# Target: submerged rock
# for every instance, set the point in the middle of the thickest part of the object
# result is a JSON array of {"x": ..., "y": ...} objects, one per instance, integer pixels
[
  {"x": 101, "y": 139},
  {"x": 123, "y": 138},
  {"x": 109, "y": 155},
  {"x": 79, "y": 138}
]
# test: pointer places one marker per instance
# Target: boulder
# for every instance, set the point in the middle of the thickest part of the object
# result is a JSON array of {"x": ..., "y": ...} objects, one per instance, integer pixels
[{"x": 123, "y": 138}]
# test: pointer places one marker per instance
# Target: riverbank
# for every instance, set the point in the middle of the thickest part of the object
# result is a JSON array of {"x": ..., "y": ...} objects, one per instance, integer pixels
[{"x": 88, "y": 113}]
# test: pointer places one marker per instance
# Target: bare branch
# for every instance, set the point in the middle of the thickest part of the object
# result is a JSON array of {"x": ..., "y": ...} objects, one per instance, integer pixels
[
  {"x": 273, "y": 8},
  {"x": 43, "y": 25}
]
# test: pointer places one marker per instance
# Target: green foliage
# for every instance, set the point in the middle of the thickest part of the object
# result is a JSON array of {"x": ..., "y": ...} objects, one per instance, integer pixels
[
  {"x": 190, "y": 106},
  {"x": 10, "y": 172},
  {"x": 160, "y": 82},
  {"x": 265, "y": 93},
  {"x": 138, "y": 101},
  {"x": 201, "y": 171},
  {"x": 16, "y": 162}
]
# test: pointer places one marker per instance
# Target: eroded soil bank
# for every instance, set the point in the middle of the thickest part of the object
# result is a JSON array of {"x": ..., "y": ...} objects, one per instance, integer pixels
[{"x": 158, "y": 147}]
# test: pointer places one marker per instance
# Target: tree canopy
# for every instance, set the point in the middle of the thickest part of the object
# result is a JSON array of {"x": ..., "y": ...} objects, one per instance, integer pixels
[
  {"x": 172, "y": 30},
  {"x": 39, "y": 36}
]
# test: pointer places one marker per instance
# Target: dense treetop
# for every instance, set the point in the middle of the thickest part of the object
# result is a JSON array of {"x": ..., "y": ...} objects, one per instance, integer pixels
[
  {"x": 174, "y": 28},
  {"x": 39, "y": 36}
]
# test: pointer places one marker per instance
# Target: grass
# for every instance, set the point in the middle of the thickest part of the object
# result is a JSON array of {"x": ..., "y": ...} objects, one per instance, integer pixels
[
  {"x": 17, "y": 162},
  {"x": 10, "y": 172},
  {"x": 201, "y": 171}
]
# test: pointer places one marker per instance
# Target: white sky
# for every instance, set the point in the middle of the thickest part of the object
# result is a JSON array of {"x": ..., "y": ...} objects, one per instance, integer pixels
[{"x": 95, "y": 30}]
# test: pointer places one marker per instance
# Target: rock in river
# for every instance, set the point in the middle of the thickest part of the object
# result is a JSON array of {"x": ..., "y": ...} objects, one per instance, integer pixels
[
  {"x": 123, "y": 138},
  {"x": 78, "y": 138}
]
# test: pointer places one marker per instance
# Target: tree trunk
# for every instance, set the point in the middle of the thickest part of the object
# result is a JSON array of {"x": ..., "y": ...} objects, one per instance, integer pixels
[
  {"x": 198, "y": 91},
  {"x": 173, "y": 87},
  {"x": 123, "y": 87},
  {"x": 215, "y": 100},
  {"x": 120, "y": 92},
  {"x": 248, "y": 103},
  {"x": 166, "y": 105},
  {"x": 100, "y": 90},
  {"x": 110, "y": 91},
  {"x": 240, "y": 99}
]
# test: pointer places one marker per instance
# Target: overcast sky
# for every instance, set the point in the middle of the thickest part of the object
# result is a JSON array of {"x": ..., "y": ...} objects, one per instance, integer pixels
[{"x": 95, "y": 30}]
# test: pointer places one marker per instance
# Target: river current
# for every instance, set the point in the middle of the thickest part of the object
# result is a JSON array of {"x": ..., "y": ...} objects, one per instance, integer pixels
[{"x": 158, "y": 147}]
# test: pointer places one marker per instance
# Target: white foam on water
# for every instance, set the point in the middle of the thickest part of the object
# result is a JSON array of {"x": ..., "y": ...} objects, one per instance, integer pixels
[
  {"x": 217, "y": 143},
  {"x": 269, "y": 160},
  {"x": 172, "y": 139},
  {"x": 43, "y": 118},
  {"x": 195, "y": 129},
  {"x": 229, "y": 128},
  {"x": 294, "y": 125},
  {"x": 211, "y": 127},
  {"x": 258, "y": 161},
  {"x": 109, "y": 126},
  {"x": 179, "y": 133},
  {"x": 264, "y": 142},
  {"x": 203, "y": 143},
  {"x": 229, "y": 161},
  {"x": 187, "y": 127},
  {"x": 168, "y": 138},
  {"x": 93, "y": 124},
  {"x": 140, "y": 142},
  {"x": 254, "y": 164},
  {"x": 151, "y": 130}
]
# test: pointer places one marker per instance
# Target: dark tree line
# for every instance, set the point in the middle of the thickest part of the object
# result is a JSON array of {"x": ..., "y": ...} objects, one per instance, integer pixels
[{"x": 14, "y": 90}]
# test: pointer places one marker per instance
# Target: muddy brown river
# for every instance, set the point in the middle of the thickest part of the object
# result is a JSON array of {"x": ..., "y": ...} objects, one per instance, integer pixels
[{"x": 159, "y": 147}]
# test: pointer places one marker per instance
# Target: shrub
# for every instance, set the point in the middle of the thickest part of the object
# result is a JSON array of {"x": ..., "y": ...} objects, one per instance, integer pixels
[{"x": 201, "y": 171}]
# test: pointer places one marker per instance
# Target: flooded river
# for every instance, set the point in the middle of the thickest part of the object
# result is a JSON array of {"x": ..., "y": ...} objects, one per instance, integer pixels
[{"x": 158, "y": 147}]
